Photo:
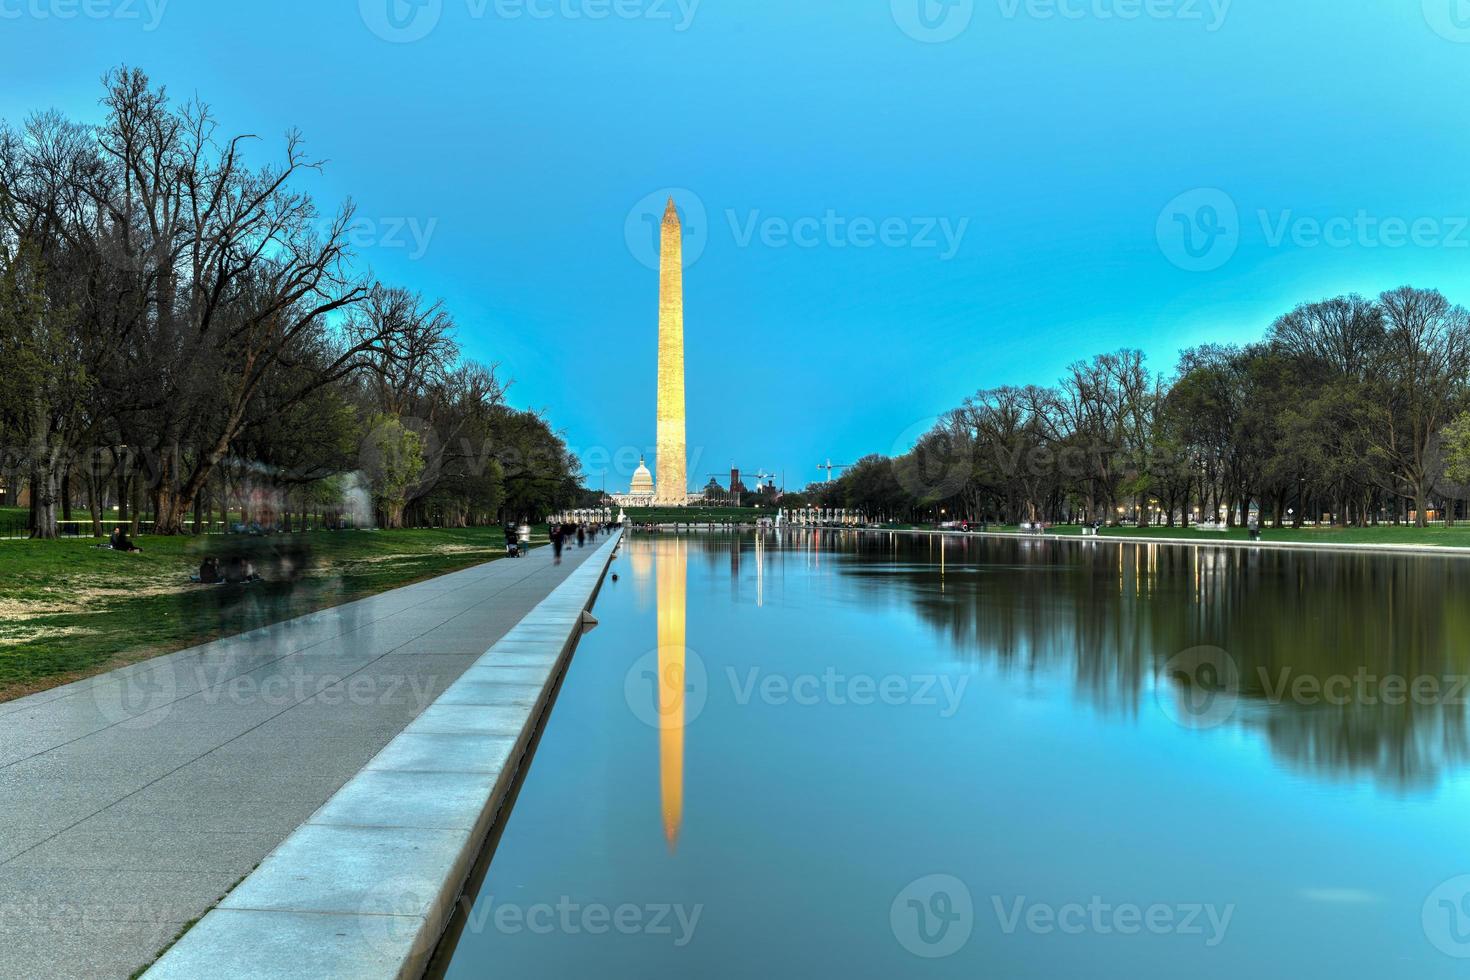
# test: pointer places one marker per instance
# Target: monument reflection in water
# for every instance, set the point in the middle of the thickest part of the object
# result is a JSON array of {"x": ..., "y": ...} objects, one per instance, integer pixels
[
  {"x": 672, "y": 561},
  {"x": 1078, "y": 724}
]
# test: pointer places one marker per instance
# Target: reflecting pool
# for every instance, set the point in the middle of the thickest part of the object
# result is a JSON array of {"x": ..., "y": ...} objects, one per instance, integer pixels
[{"x": 872, "y": 755}]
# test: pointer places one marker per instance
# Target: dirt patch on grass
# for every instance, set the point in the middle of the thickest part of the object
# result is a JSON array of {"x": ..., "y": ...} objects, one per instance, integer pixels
[
  {"x": 13, "y": 634},
  {"x": 345, "y": 566},
  {"x": 466, "y": 549},
  {"x": 21, "y": 609},
  {"x": 141, "y": 591}
]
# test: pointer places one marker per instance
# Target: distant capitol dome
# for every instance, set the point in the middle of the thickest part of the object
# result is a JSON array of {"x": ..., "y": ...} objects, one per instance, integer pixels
[{"x": 642, "y": 480}]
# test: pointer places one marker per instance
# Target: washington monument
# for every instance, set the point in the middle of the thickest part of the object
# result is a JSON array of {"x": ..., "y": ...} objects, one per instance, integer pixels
[{"x": 672, "y": 485}]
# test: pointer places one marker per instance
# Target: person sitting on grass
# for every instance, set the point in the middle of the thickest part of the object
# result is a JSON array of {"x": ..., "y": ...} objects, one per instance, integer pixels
[
  {"x": 209, "y": 573},
  {"x": 121, "y": 541},
  {"x": 240, "y": 571}
]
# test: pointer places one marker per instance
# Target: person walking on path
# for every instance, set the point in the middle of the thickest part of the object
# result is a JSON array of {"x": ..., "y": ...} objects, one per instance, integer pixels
[
  {"x": 581, "y": 536},
  {"x": 557, "y": 539}
]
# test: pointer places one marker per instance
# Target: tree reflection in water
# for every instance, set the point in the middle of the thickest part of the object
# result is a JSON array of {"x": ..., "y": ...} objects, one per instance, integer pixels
[{"x": 1318, "y": 638}]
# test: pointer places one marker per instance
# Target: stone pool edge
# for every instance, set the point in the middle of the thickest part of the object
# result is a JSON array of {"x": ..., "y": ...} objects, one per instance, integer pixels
[
  {"x": 1442, "y": 550},
  {"x": 368, "y": 884}
]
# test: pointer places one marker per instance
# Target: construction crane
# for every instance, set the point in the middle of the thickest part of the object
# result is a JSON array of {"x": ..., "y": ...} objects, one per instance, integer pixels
[
  {"x": 830, "y": 466},
  {"x": 733, "y": 474}
]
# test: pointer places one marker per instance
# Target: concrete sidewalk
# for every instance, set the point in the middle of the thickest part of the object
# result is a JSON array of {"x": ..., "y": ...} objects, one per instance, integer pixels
[{"x": 130, "y": 803}]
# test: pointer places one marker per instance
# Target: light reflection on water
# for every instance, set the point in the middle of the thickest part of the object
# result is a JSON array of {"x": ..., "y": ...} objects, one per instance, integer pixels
[
  {"x": 671, "y": 559},
  {"x": 836, "y": 722}
]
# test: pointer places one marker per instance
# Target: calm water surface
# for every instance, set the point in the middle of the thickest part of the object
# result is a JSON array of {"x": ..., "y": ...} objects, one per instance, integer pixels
[{"x": 882, "y": 756}]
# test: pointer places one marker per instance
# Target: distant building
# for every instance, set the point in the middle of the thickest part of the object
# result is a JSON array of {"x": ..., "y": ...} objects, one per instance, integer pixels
[
  {"x": 640, "y": 492},
  {"x": 14, "y": 493}
]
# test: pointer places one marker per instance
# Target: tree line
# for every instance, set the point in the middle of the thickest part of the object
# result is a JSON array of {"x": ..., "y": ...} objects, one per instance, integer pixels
[
  {"x": 1351, "y": 410},
  {"x": 185, "y": 333}
]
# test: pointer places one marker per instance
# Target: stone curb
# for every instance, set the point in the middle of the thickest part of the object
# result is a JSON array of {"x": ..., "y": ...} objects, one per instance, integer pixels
[
  {"x": 366, "y": 887},
  {"x": 1443, "y": 551}
]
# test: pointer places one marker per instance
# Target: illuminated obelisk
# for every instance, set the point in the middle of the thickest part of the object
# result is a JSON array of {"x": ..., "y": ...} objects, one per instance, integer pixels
[{"x": 671, "y": 486}]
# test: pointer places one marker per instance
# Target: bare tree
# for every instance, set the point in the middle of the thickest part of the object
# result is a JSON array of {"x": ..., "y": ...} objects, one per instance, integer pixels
[{"x": 1427, "y": 357}]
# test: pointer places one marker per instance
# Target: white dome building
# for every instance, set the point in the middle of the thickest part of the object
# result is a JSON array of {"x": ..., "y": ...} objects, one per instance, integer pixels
[
  {"x": 642, "y": 481},
  {"x": 640, "y": 493}
]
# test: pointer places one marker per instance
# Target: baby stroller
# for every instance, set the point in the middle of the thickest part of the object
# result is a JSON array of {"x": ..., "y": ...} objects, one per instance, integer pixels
[{"x": 512, "y": 544}]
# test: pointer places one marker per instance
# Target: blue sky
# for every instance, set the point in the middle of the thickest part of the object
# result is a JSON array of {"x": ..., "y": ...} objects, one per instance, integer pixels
[{"x": 900, "y": 203}]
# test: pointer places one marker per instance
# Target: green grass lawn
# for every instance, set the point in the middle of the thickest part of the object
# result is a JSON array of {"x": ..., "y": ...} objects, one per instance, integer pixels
[
  {"x": 69, "y": 609},
  {"x": 13, "y": 519}
]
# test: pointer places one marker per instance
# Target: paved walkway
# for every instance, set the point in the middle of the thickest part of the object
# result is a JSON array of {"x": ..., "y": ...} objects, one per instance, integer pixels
[{"x": 130, "y": 803}]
